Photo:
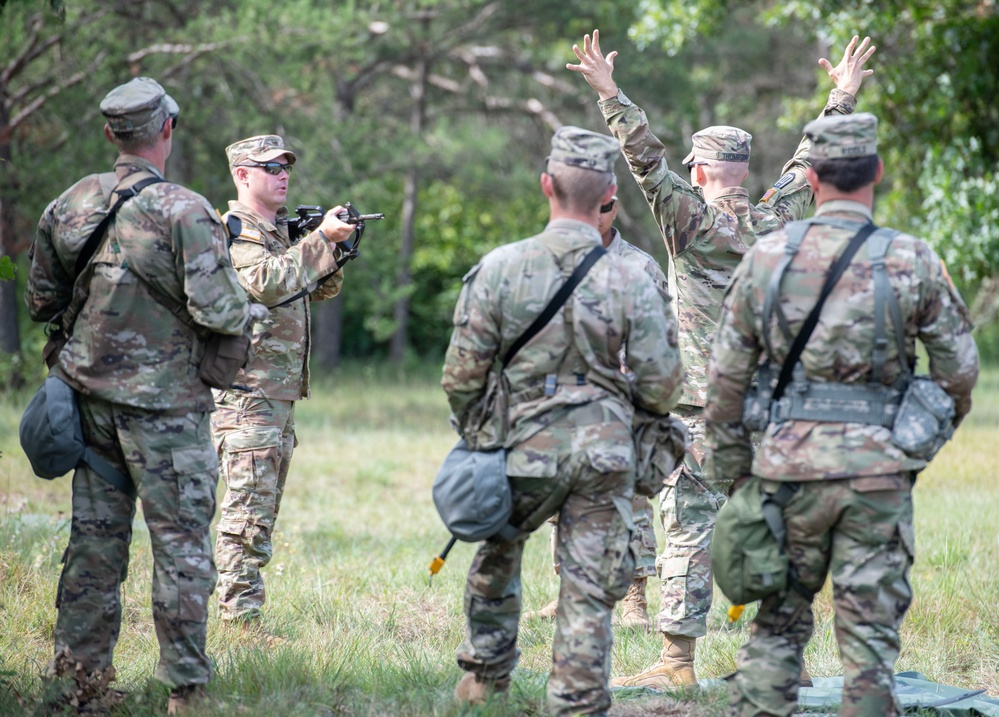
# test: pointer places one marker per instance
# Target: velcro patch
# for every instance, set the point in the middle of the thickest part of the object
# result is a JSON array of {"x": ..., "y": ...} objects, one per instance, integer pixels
[
  {"x": 768, "y": 195},
  {"x": 785, "y": 179},
  {"x": 249, "y": 234}
]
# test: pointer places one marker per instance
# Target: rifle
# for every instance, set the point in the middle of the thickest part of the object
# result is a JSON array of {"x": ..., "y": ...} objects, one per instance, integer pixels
[{"x": 310, "y": 216}]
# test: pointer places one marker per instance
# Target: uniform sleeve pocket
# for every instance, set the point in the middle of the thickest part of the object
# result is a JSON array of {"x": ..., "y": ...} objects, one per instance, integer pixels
[{"x": 531, "y": 463}]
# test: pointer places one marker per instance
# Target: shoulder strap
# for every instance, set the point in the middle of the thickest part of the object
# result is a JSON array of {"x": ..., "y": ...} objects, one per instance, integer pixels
[
  {"x": 109, "y": 473},
  {"x": 233, "y": 227},
  {"x": 94, "y": 240},
  {"x": 813, "y": 318},
  {"x": 877, "y": 249},
  {"x": 556, "y": 302},
  {"x": 795, "y": 235}
]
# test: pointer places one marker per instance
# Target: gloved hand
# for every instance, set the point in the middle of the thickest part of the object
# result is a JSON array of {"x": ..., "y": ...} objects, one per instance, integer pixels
[{"x": 258, "y": 312}]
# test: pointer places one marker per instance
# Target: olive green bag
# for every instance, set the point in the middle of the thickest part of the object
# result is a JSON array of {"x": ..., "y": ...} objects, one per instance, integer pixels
[{"x": 747, "y": 549}]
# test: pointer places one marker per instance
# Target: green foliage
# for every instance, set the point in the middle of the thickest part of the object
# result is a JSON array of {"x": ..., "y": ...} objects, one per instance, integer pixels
[
  {"x": 934, "y": 88},
  {"x": 7, "y": 268}
]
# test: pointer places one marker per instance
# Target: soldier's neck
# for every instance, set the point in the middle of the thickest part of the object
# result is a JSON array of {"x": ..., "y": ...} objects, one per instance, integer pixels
[{"x": 265, "y": 211}]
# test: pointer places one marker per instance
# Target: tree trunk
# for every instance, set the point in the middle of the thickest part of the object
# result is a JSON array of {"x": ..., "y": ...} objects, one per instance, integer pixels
[
  {"x": 10, "y": 336},
  {"x": 400, "y": 311}
]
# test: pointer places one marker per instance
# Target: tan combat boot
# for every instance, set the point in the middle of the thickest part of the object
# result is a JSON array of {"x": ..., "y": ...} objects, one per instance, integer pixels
[
  {"x": 674, "y": 669},
  {"x": 548, "y": 612},
  {"x": 634, "y": 607},
  {"x": 477, "y": 690}
]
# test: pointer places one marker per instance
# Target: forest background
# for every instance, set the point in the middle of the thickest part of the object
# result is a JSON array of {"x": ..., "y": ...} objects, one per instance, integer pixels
[{"x": 438, "y": 113}]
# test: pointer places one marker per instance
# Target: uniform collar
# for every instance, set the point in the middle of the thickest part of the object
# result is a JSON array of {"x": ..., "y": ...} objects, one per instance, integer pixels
[
  {"x": 845, "y": 206},
  {"x": 133, "y": 163},
  {"x": 282, "y": 215},
  {"x": 573, "y": 227},
  {"x": 615, "y": 239}
]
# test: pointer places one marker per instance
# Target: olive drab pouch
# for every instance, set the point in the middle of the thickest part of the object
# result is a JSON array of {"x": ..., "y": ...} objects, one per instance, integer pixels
[
  {"x": 925, "y": 419},
  {"x": 747, "y": 547},
  {"x": 660, "y": 445}
]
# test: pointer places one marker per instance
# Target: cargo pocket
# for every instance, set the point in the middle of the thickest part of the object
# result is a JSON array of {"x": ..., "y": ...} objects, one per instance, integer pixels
[
  {"x": 611, "y": 456},
  {"x": 249, "y": 454},
  {"x": 195, "y": 582},
  {"x": 197, "y": 470},
  {"x": 531, "y": 463},
  {"x": 229, "y": 545}
]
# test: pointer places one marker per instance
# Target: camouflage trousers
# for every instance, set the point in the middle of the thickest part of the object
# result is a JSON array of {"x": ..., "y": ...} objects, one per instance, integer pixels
[
  {"x": 643, "y": 540},
  {"x": 174, "y": 469},
  {"x": 688, "y": 507},
  {"x": 860, "y": 532},
  {"x": 255, "y": 438},
  {"x": 581, "y": 466}
]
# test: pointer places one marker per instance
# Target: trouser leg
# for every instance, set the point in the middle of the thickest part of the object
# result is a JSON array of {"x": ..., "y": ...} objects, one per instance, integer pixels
[
  {"x": 95, "y": 562},
  {"x": 871, "y": 557},
  {"x": 255, "y": 438},
  {"x": 177, "y": 472},
  {"x": 688, "y": 509}
]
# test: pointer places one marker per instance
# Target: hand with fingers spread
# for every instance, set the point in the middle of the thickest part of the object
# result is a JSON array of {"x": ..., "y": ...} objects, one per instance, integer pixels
[
  {"x": 850, "y": 73},
  {"x": 596, "y": 69}
]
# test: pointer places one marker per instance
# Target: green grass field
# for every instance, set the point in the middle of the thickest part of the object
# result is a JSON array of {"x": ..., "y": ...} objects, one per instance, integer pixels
[{"x": 365, "y": 634}]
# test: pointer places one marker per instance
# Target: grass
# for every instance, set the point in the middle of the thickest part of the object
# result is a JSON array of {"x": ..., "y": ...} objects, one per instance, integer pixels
[{"x": 365, "y": 633}]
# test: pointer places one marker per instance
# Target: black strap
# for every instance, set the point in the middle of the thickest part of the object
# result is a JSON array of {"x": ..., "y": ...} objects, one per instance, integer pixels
[
  {"x": 109, "y": 473},
  {"x": 94, "y": 240},
  {"x": 556, "y": 303},
  {"x": 813, "y": 318}
]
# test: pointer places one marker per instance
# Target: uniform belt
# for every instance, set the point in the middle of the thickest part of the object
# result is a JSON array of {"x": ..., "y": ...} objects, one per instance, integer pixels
[
  {"x": 839, "y": 403},
  {"x": 547, "y": 386}
]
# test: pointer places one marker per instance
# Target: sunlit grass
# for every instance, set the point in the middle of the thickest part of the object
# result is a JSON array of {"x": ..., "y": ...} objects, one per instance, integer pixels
[{"x": 365, "y": 632}]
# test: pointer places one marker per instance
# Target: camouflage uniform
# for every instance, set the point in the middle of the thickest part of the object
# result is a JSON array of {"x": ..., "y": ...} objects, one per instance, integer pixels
[
  {"x": 852, "y": 516},
  {"x": 253, "y": 426},
  {"x": 706, "y": 242},
  {"x": 143, "y": 407},
  {"x": 570, "y": 450},
  {"x": 643, "y": 541}
]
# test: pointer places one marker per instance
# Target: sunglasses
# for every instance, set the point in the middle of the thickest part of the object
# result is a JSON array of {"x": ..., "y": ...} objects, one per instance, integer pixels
[
  {"x": 605, "y": 208},
  {"x": 274, "y": 168},
  {"x": 172, "y": 119}
]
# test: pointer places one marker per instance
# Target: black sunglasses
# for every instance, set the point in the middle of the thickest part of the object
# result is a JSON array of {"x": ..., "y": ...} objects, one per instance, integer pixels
[
  {"x": 172, "y": 119},
  {"x": 605, "y": 208},
  {"x": 274, "y": 168}
]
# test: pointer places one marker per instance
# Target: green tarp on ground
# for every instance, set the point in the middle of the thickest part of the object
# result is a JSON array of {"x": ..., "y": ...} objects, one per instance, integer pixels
[{"x": 915, "y": 693}]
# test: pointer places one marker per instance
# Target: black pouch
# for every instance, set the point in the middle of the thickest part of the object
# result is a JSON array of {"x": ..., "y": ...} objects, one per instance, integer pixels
[{"x": 224, "y": 356}]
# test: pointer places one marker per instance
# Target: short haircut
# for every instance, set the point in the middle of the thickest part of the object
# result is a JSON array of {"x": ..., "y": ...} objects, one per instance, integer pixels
[
  {"x": 132, "y": 141},
  {"x": 578, "y": 189},
  {"x": 731, "y": 174},
  {"x": 847, "y": 174}
]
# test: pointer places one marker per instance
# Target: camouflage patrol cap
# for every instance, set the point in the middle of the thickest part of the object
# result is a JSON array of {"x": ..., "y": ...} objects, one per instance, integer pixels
[
  {"x": 579, "y": 147},
  {"x": 262, "y": 148},
  {"x": 721, "y": 142},
  {"x": 136, "y": 106},
  {"x": 840, "y": 136}
]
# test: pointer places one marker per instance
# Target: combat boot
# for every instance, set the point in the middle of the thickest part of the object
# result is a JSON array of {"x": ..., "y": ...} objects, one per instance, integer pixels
[
  {"x": 674, "y": 669},
  {"x": 477, "y": 690},
  {"x": 184, "y": 700},
  {"x": 634, "y": 607},
  {"x": 548, "y": 612}
]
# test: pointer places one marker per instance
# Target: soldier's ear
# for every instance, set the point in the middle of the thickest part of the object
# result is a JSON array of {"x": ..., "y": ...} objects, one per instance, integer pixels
[
  {"x": 547, "y": 188},
  {"x": 108, "y": 134},
  {"x": 813, "y": 179},
  {"x": 880, "y": 173}
]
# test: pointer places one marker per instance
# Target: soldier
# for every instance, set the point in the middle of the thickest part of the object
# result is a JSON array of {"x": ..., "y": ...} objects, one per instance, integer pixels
[
  {"x": 570, "y": 445},
  {"x": 707, "y": 225},
  {"x": 851, "y": 514},
  {"x": 144, "y": 410},
  {"x": 253, "y": 426},
  {"x": 634, "y": 607}
]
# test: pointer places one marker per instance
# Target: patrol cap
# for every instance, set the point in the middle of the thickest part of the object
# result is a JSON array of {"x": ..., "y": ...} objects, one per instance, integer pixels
[
  {"x": 721, "y": 142},
  {"x": 579, "y": 147},
  {"x": 840, "y": 136},
  {"x": 137, "y": 105},
  {"x": 262, "y": 148}
]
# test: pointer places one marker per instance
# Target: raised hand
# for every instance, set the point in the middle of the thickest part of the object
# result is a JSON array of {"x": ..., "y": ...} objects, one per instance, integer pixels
[
  {"x": 850, "y": 73},
  {"x": 596, "y": 69}
]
